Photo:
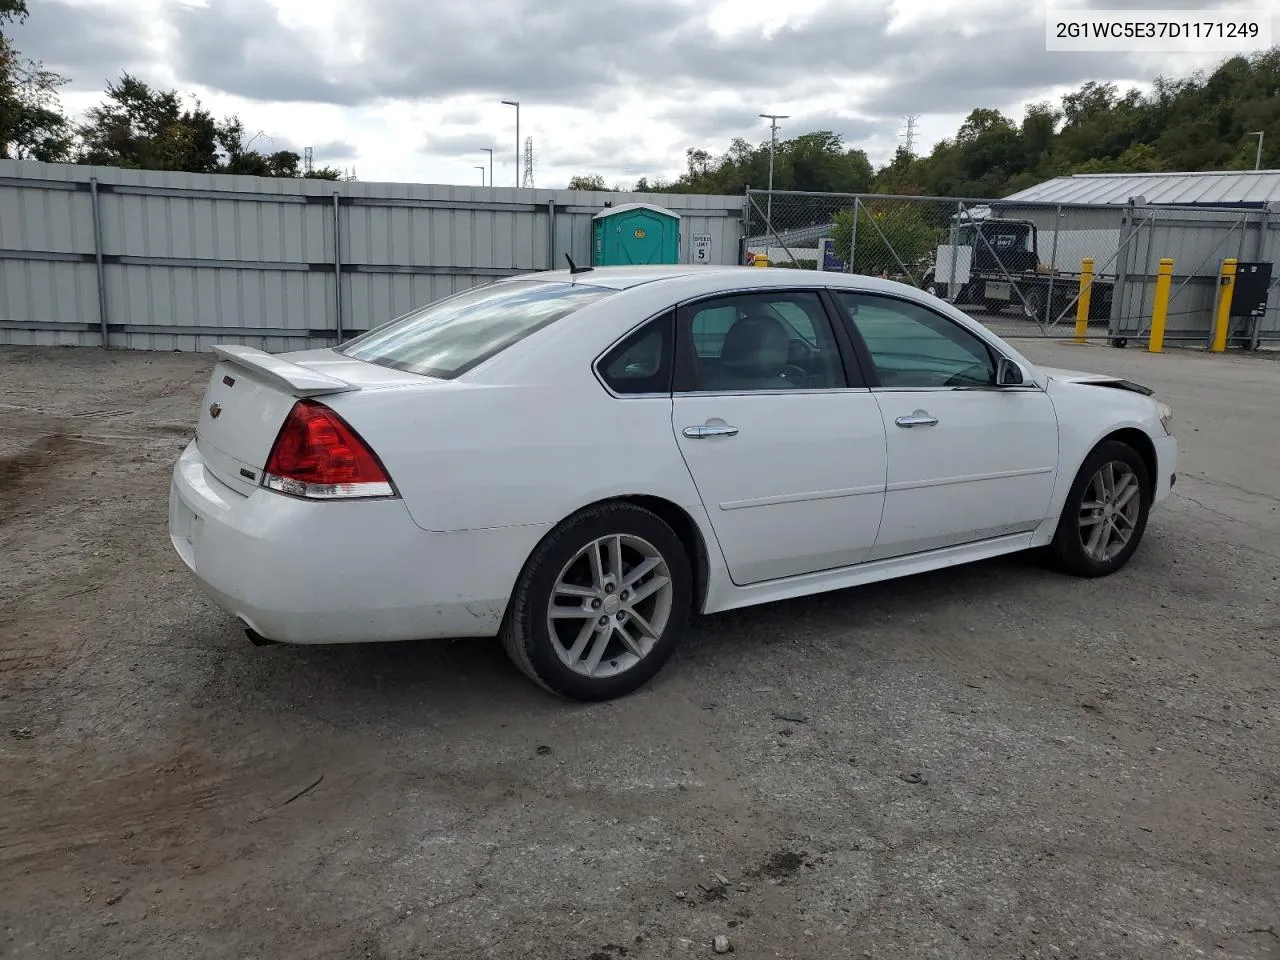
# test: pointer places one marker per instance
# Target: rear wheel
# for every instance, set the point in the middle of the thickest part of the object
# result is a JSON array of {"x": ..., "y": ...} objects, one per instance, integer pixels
[
  {"x": 1033, "y": 307},
  {"x": 1105, "y": 515},
  {"x": 601, "y": 604}
]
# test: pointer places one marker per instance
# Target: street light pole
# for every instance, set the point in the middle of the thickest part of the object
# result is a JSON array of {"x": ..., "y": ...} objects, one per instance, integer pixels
[
  {"x": 489, "y": 151},
  {"x": 1257, "y": 160},
  {"x": 773, "y": 119},
  {"x": 481, "y": 169},
  {"x": 516, "y": 104}
]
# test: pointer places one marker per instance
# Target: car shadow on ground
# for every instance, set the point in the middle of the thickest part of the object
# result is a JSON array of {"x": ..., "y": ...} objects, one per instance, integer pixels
[{"x": 422, "y": 681}]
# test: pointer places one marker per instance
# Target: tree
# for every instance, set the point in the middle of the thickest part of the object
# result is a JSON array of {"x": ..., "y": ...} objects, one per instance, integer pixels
[
  {"x": 141, "y": 128},
  {"x": 888, "y": 232},
  {"x": 588, "y": 181},
  {"x": 32, "y": 125}
]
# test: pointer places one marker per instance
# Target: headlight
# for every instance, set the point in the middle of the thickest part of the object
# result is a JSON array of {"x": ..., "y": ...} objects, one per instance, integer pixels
[{"x": 1166, "y": 418}]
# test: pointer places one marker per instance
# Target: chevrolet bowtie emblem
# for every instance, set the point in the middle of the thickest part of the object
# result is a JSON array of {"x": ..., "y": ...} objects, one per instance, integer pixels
[{"x": 214, "y": 410}]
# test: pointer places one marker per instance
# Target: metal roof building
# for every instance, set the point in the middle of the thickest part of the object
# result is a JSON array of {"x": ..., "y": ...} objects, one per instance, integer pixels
[{"x": 1228, "y": 188}]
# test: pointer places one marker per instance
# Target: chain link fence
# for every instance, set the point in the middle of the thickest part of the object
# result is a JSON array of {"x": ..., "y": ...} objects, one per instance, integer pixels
[{"x": 1022, "y": 269}]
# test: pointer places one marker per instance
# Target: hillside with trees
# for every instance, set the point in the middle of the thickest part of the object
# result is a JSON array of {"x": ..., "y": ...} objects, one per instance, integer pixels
[{"x": 1196, "y": 123}]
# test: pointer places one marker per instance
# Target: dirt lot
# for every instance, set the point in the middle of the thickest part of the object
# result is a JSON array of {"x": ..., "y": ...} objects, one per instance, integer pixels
[{"x": 988, "y": 762}]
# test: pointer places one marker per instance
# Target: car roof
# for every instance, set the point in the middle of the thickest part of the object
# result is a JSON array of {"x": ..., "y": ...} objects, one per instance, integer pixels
[
  {"x": 622, "y": 278},
  {"x": 625, "y": 278}
]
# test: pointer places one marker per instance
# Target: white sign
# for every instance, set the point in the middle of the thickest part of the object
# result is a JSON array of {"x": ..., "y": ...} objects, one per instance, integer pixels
[
  {"x": 944, "y": 260},
  {"x": 702, "y": 248}
]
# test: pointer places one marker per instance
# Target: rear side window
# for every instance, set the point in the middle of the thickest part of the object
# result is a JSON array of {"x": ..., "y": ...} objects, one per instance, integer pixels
[
  {"x": 447, "y": 338},
  {"x": 641, "y": 364}
]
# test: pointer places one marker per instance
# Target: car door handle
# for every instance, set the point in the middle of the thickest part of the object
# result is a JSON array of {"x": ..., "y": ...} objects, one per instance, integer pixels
[
  {"x": 710, "y": 430},
  {"x": 917, "y": 419}
]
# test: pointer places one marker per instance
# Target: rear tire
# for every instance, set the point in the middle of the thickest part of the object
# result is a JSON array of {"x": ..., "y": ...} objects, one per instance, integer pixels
[
  {"x": 1106, "y": 511},
  {"x": 601, "y": 604},
  {"x": 1033, "y": 307}
]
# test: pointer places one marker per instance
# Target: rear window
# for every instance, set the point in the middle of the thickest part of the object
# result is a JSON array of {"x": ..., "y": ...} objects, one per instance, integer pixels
[{"x": 447, "y": 338}]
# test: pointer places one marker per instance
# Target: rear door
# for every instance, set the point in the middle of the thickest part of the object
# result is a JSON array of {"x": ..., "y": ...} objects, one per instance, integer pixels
[
  {"x": 785, "y": 445},
  {"x": 967, "y": 460}
]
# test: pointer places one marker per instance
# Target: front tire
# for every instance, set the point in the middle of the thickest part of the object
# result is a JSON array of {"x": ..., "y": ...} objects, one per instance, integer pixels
[
  {"x": 1105, "y": 515},
  {"x": 601, "y": 604}
]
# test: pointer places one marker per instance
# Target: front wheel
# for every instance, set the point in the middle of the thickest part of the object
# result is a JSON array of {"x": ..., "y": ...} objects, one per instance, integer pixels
[
  {"x": 601, "y": 604},
  {"x": 1105, "y": 515}
]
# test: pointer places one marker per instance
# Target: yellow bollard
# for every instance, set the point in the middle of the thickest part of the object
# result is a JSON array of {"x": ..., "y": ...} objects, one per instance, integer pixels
[
  {"x": 762, "y": 260},
  {"x": 1222, "y": 316},
  {"x": 1086, "y": 294},
  {"x": 1160, "y": 309}
]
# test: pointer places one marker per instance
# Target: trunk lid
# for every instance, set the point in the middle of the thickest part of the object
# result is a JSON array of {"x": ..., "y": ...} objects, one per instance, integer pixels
[{"x": 250, "y": 393}]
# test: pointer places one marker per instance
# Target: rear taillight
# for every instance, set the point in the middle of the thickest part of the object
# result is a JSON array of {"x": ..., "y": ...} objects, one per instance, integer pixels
[{"x": 317, "y": 455}]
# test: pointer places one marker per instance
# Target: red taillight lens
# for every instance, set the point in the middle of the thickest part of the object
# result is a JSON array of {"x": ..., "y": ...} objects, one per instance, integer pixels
[{"x": 318, "y": 455}]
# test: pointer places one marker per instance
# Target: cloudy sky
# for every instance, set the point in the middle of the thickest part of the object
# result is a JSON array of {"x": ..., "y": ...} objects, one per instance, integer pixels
[{"x": 410, "y": 90}]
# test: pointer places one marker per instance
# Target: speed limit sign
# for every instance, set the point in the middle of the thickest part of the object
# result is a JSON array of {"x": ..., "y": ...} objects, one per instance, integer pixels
[{"x": 702, "y": 248}]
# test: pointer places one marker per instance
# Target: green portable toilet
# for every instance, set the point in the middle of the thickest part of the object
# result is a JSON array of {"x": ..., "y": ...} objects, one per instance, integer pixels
[{"x": 635, "y": 233}]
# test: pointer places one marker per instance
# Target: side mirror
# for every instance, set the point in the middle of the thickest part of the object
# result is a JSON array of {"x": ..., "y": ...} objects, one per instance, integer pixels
[{"x": 1009, "y": 373}]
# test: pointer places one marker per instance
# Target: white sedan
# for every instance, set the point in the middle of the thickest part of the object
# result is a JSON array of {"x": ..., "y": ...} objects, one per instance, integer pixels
[{"x": 580, "y": 460}]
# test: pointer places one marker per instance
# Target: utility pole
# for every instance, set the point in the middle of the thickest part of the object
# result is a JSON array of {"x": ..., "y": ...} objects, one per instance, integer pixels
[
  {"x": 489, "y": 151},
  {"x": 773, "y": 119},
  {"x": 1257, "y": 160},
  {"x": 481, "y": 169},
  {"x": 516, "y": 104}
]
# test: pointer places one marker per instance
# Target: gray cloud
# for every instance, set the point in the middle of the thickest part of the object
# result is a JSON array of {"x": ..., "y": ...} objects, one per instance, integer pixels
[
  {"x": 590, "y": 54},
  {"x": 241, "y": 47},
  {"x": 939, "y": 75},
  {"x": 334, "y": 151},
  {"x": 1160, "y": 4},
  {"x": 458, "y": 143},
  {"x": 699, "y": 120},
  {"x": 630, "y": 156},
  {"x": 567, "y": 53},
  {"x": 853, "y": 130},
  {"x": 90, "y": 45}
]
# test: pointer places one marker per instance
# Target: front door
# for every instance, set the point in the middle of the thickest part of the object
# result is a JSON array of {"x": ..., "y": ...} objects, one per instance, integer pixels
[
  {"x": 786, "y": 448},
  {"x": 967, "y": 460}
]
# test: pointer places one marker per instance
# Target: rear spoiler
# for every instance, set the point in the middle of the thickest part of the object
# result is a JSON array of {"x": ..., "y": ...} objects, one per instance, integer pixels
[{"x": 298, "y": 380}]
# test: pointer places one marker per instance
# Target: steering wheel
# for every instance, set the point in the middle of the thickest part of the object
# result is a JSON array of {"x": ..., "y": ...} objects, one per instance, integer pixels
[
  {"x": 792, "y": 374},
  {"x": 974, "y": 375}
]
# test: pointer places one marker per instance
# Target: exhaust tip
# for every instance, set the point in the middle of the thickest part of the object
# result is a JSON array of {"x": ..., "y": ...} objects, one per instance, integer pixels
[{"x": 257, "y": 639}]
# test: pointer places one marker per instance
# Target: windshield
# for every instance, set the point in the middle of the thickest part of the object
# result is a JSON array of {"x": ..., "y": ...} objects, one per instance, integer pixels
[{"x": 447, "y": 338}]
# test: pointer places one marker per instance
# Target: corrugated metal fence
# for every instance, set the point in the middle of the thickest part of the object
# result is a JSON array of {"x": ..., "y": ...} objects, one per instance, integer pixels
[
  {"x": 173, "y": 261},
  {"x": 1197, "y": 239}
]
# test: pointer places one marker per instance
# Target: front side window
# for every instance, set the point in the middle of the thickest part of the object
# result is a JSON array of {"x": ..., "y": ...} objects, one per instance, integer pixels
[
  {"x": 913, "y": 347},
  {"x": 775, "y": 340},
  {"x": 447, "y": 338}
]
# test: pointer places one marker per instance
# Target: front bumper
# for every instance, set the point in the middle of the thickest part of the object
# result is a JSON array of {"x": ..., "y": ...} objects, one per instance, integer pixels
[
  {"x": 1166, "y": 467},
  {"x": 295, "y": 571}
]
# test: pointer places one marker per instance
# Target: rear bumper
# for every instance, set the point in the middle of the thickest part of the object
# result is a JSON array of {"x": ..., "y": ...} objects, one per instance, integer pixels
[{"x": 301, "y": 572}]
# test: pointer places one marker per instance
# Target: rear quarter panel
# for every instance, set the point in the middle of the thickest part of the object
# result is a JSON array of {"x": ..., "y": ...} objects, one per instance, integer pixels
[{"x": 475, "y": 456}]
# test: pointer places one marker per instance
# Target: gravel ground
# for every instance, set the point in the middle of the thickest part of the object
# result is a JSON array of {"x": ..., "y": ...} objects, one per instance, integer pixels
[{"x": 994, "y": 761}]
